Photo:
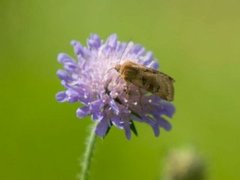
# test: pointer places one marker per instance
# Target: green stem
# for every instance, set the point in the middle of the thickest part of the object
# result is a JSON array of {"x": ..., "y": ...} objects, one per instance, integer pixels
[{"x": 86, "y": 163}]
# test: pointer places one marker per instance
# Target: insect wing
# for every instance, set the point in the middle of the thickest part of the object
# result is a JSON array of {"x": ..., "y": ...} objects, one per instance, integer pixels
[{"x": 166, "y": 90}]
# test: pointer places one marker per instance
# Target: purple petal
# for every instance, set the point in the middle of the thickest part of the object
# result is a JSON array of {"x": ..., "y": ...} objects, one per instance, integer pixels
[
  {"x": 61, "y": 96},
  {"x": 126, "y": 51},
  {"x": 164, "y": 123},
  {"x": 167, "y": 109},
  {"x": 82, "y": 112},
  {"x": 138, "y": 50},
  {"x": 96, "y": 105},
  {"x": 116, "y": 120},
  {"x": 96, "y": 109},
  {"x": 156, "y": 130},
  {"x": 102, "y": 128},
  {"x": 78, "y": 48},
  {"x": 94, "y": 41},
  {"x": 147, "y": 59},
  {"x": 112, "y": 41},
  {"x": 70, "y": 66},
  {"x": 97, "y": 115},
  {"x": 84, "y": 97},
  {"x": 80, "y": 51},
  {"x": 63, "y": 75},
  {"x": 72, "y": 95},
  {"x": 114, "y": 106},
  {"x": 152, "y": 123},
  {"x": 154, "y": 65},
  {"x": 64, "y": 58},
  {"x": 121, "y": 47},
  {"x": 127, "y": 131}
]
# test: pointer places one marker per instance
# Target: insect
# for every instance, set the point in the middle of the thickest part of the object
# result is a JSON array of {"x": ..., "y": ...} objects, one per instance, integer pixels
[{"x": 148, "y": 79}]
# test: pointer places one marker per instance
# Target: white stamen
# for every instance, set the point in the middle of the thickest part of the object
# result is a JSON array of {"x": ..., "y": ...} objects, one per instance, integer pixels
[
  {"x": 125, "y": 100},
  {"x": 149, "y": 100},
  {"x": 135, "y": 103},
  {"x": 85, "y": 96}
]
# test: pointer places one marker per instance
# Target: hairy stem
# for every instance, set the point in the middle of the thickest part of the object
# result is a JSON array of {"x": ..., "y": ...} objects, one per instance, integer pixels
[{"x": 86, "y": 162}]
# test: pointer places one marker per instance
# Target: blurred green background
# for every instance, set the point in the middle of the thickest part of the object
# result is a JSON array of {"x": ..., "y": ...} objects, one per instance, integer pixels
[{"x": 197, "y": 42}]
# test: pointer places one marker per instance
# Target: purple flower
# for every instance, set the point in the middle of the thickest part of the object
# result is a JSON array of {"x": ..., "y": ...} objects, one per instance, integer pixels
[{"x": 92, "y": 80}]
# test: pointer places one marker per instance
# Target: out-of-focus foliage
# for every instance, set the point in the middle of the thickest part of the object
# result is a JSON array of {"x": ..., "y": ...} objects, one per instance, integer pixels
[
  {"x": 184, "y": 164},
  {"x": 197, "y": 42}
]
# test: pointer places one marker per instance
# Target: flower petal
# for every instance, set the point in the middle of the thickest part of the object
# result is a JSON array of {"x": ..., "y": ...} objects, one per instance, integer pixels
[
  {"x": 78, "y": 48},
  {"x": 127, "y": 131},
  {"x": 164, "y": 123},
  {"x": 114, "y": 106},
  {"x": 83, "y": 111},
  {"x": 61, "y": 96},
  {"x": 112, "y": 41},
  {"x": 96, "y": 109},
  {"x": 63, "y": 75},
  {"x": 64, "y": 58},
  {"x": 152, "y": 123},
  {"x": 94, "y": 41},
  {"x": 102, "y": 128},
  {"x": 72, "y": 95},
  {"x": 168, "y": 109}
]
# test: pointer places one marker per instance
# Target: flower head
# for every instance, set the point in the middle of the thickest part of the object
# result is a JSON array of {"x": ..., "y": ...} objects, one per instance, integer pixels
[{"x": 91, "y": 79}]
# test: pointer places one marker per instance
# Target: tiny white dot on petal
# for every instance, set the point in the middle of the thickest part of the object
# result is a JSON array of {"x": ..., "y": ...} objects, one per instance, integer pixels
[
  {"x": 116, "y": 94},
  {"x": 135, "y": 103},
  {"x": 85, "y": 96},
  {"x": 150, "y": 100},
  {"x": 125, "y": 100}
]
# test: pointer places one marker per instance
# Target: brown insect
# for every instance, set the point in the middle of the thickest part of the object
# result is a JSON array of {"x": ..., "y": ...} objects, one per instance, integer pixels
[{"x": 149, "y": 79}]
